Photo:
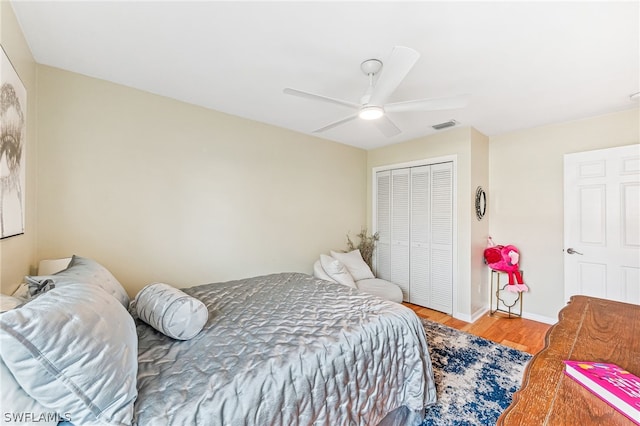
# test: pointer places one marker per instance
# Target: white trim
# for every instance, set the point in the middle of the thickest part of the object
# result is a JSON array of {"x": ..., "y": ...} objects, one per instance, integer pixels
[
  {"x": 415, "y": 163},
  {"x": 539, "y": 318},
  {"x": 427, "y": 162},
  {"x": 479, "y": 313},
  {"x": 454, "y": 248},
  {"x": 485, "y": 311},
  {"x": 462, "y": 317}
]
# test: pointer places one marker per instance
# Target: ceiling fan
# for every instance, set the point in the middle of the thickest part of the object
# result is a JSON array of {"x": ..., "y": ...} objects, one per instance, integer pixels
[{"x": 372, "y": 105}]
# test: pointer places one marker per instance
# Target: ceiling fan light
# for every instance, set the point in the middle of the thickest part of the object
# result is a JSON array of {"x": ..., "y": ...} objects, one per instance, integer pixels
[{"x": 371, "y": 112}]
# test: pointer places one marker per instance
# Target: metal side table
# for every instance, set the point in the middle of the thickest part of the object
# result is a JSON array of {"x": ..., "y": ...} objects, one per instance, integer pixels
[{"x": 502, "y": 300}]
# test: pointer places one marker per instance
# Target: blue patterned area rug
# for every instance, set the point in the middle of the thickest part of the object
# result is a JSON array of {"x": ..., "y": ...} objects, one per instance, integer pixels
[{"x": 475, "y": 378}]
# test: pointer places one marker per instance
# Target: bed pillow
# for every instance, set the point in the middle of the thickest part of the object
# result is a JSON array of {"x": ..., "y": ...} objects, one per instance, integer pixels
[
  {"x": 81, "y": 270},
  {"x": 8, "y": 303},
  {"x": 53, "y": 266},
  {"x": 171, "y": 311},
  {"x": 319, "y": 272},
  {"x": 18, "y": 406},
  {"x": 336, "y": 270},
  {"x": 355, "y": 264},
  {"x": 22, "y": 292},
  {"x": 74, "y": 350}
]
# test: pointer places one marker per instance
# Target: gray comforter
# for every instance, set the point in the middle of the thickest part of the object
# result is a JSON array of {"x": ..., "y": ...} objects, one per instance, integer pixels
[{"x": 286, "y": 349}]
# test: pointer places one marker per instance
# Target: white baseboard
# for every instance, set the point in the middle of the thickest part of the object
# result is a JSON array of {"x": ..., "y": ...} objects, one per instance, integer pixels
[
  {"x": 539, "y": 318},
  {"x": 485, "y": 310},
  {"x": 462, "y": 317},
  {"x": 471, "y": 318},
  {"x": 479, "y": 313}
]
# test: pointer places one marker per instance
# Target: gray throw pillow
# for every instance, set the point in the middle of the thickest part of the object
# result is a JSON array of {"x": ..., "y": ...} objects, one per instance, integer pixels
[
  {"x": 171, "y": 311},
  {"x": 18, "y": 407},
  {"x": 75, "y": 351},
  {"x": 81, "y": 270}
]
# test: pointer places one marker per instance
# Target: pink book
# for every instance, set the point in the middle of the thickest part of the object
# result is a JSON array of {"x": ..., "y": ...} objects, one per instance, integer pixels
[{"x": 612, "y": 384}]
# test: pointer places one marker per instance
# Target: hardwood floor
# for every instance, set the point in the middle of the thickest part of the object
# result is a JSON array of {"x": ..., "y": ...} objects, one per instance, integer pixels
[{"x": 522, "y": 334}]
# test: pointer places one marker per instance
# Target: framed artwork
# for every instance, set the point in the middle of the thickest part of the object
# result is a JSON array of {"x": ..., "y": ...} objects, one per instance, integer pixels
[{"x": 13, "y": 125}]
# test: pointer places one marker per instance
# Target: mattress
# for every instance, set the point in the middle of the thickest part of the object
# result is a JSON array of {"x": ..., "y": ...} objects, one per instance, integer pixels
[{"x": 286, "y": 349}]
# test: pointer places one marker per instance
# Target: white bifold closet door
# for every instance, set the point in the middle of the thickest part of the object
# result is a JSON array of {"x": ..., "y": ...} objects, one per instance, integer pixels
[
  {"x": 420, "y": 254},
  {"x": 414, "y": 219},
  {"x": 400, "y": 230}
]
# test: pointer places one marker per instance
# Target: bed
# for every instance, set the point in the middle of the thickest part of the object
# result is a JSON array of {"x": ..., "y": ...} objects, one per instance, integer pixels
[{"x": 281, "y": 349}]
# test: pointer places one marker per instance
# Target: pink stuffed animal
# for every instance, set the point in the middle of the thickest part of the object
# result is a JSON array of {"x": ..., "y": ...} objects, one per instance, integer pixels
[{"x": 505, "y": 259}]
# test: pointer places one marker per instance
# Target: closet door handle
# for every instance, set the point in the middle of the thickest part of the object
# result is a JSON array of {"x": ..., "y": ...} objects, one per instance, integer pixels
[{"x": 572, "y": 251}]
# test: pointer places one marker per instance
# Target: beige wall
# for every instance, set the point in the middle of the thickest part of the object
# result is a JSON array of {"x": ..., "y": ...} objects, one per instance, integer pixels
[
  {"x": 159, "y": 190},
  {"x": 522, "y": 173},
  {"x": 526, "y": 197},
  {"x": 18, "y": 253},
  {"x": 452, "y": 142},
  {"x": 479, "y": 175}
]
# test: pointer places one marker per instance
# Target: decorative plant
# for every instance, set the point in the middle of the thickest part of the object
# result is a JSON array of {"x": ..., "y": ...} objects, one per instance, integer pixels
[{"x": 366, "y": 245}]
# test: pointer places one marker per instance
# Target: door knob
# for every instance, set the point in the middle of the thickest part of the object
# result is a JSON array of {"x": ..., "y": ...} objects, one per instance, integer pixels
[{"x": 572, "y": 251}]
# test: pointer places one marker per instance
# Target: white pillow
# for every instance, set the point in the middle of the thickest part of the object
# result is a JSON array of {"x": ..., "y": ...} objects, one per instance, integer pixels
[
  {"x": 75, "y": 351},
  {"x": 81, "y": 270},
  {"x": 8, "y": 303},
  {"x": 319, "y": 272},
  {"x": 53, "y": 266},
  {"x": 22, "y": 292},
  {"x": 355, "y": 264},
  {"x": 171, "y": 311},
  {"x": 336, "y": 270}
]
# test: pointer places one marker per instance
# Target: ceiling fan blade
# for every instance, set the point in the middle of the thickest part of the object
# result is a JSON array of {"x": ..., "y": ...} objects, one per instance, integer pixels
[
  {"x": 336, "y": 123},
  {"x": 432, "y": 104},
  {"x": 394, "y": 70},
  {"x": 387, "y": 127},
  {"x": 307, "y": 95}
]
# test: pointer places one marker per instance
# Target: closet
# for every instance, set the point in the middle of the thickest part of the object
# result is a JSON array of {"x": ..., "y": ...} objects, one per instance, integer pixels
[{"x": 414, "y": 220}]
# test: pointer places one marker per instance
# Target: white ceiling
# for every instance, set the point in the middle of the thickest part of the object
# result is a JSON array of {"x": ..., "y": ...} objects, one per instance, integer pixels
[{"x": 524, "y": 64}]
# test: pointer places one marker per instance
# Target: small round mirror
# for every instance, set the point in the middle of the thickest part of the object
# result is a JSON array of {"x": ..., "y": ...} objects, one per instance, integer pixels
[{"x": 481, "y": 203}]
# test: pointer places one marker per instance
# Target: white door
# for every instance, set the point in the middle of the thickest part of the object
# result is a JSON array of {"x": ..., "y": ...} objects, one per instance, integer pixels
[
  {"x": 400, "y": 230},
  {"x": 602, "y": 223},
  {"x": 383, "y": 225},
  {"x": 420, "y": 262},
  {"x": 441, "y": 237},
  {"x": 414, "y": 221}
]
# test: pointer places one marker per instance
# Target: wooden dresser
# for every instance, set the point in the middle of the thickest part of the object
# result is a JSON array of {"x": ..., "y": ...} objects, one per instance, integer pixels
[{"x": 589, "y": 329}]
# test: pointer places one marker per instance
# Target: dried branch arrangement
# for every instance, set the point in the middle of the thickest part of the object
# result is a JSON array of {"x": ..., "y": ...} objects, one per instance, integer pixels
[{"x": 366, "y": 245}]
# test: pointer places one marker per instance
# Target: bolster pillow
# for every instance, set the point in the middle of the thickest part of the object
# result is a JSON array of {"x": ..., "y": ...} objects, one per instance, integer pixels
[{"x": 171, "y": 311}]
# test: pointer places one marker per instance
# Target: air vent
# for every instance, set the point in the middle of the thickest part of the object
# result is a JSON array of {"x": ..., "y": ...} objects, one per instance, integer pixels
[{"x": 444, "y": 125}]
